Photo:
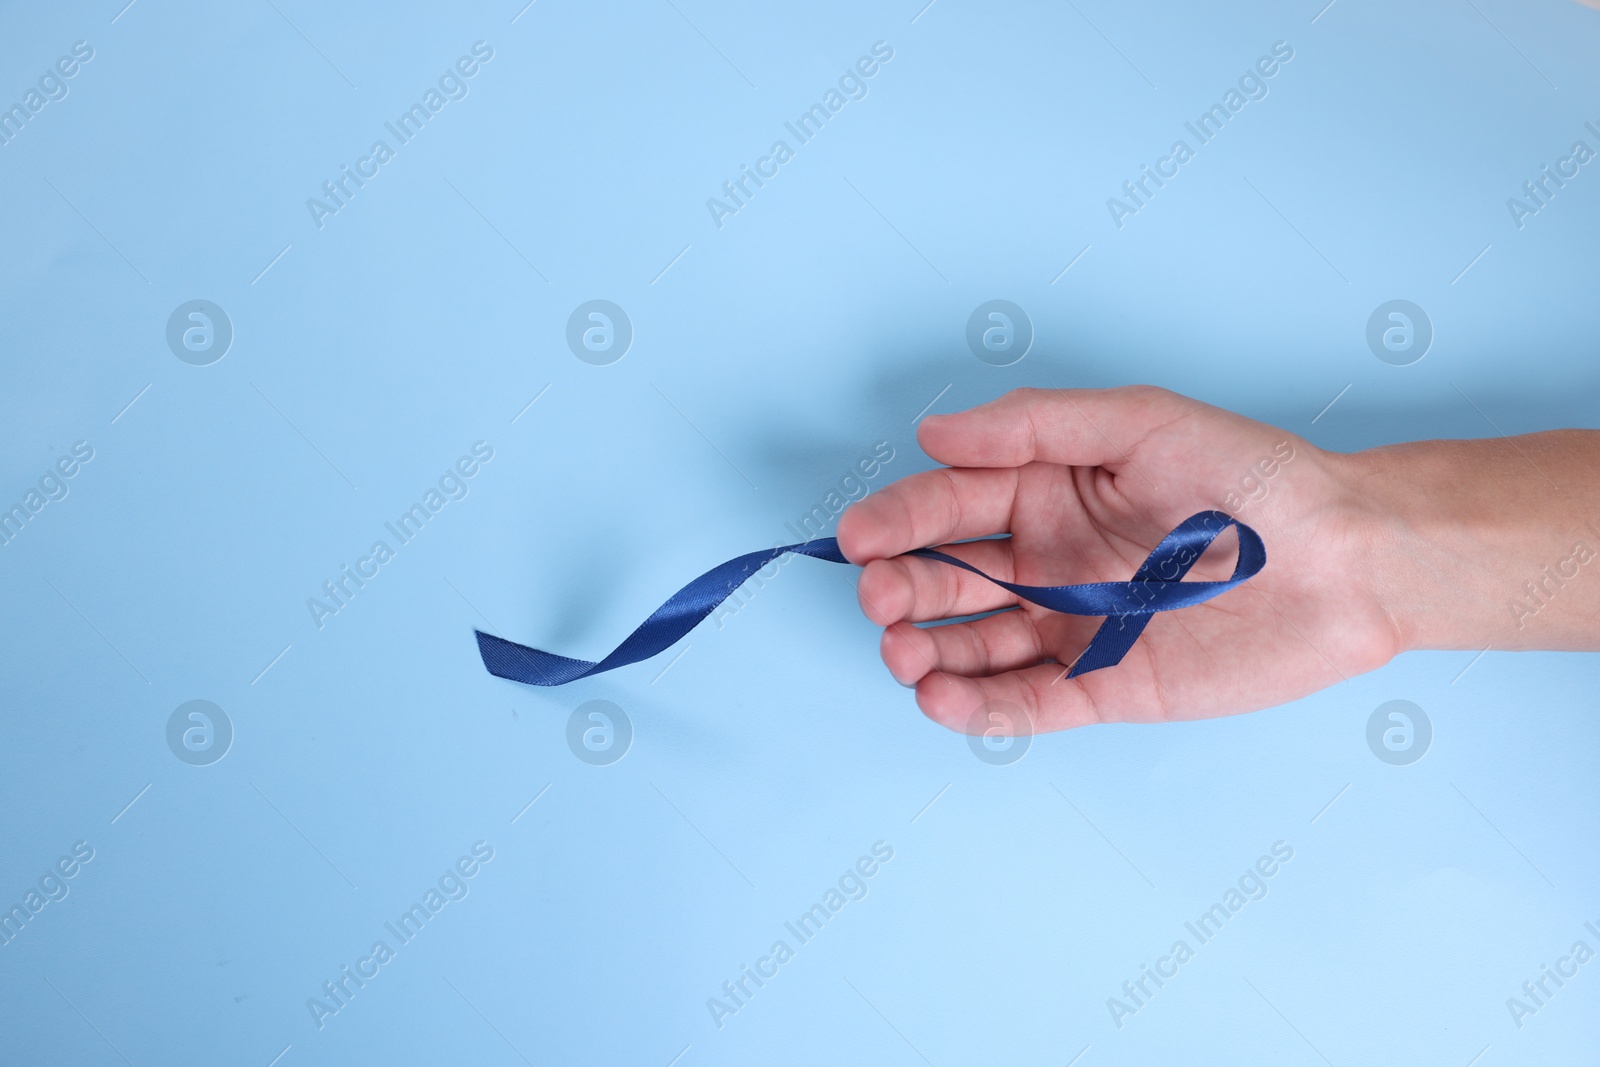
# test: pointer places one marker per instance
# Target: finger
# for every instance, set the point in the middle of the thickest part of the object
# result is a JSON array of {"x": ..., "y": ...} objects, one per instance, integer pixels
[
  {"x": 1049, "y": 702},
  {"x": 918, "y": 590},
  {"x": 929, "y": 508},
  {"x": 1077, "y": 427},
  {"x": 990, "y": 645}
]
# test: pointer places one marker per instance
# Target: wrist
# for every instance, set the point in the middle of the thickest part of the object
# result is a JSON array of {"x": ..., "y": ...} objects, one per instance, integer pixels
[
  {"x": 1368, "y": 516},
  {"x": 1392, "y": 535}
]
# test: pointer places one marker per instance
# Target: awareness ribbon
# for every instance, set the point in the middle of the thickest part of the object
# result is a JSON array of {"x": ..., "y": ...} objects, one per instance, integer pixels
[{"x": 1128, "y": 606}]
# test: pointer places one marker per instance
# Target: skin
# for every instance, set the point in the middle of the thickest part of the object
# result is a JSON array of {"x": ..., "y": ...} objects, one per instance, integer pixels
[{"x": 1369, "y": 554}]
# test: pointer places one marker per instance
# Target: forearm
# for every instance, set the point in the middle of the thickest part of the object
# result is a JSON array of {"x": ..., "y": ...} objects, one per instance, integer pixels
[{"x": 1485, "y": 543}]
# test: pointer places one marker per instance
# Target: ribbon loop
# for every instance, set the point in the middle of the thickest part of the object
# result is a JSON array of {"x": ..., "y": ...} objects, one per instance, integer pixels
[{"x": 1127, "y": 606}]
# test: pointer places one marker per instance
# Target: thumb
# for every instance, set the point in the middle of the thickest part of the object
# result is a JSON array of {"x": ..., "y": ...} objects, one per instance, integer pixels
[{"x": 1075, "y": 427}]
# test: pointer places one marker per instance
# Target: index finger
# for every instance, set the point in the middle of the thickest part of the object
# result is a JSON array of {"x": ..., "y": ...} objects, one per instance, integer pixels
[{"x": 928, "y": 508}]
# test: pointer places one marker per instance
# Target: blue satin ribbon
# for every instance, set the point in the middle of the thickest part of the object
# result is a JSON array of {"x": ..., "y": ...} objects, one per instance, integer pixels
[{"x": 1128, "y": 606}]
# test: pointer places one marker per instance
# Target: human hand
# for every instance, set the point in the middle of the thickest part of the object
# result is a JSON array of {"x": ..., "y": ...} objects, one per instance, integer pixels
[{"x": 1087, "y": 482}]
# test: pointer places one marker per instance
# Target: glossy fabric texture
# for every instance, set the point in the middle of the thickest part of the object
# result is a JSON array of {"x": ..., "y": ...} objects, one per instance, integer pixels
[{"x": 1128, "y": 606}]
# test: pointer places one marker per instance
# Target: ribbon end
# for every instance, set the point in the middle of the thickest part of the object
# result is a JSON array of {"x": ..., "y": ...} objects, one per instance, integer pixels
[{"x": 519, "y": 663}]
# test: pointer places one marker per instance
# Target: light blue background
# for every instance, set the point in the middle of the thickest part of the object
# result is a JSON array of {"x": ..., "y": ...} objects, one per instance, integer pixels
[{"x": 825, "y": 316}]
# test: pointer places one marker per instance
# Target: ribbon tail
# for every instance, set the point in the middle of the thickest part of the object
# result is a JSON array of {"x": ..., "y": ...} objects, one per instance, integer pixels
[
  {"x": 682, "y": 612},
  {"x": 1110, "y": 643},
  {"x": 519, "y": 663}
]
